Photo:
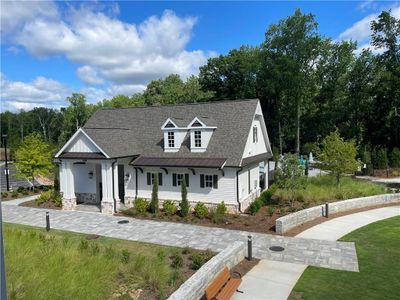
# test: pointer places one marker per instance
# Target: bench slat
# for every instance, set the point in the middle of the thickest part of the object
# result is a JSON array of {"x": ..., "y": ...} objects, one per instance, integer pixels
[
  {"x": 229, "y": 289},
  {"x": 217, "y": 284}
]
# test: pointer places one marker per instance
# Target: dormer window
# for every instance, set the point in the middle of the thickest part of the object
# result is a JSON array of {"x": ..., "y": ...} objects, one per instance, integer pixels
[
  {"x": 171, "y": 139},
  {"x": 197, "y": 138},
  {"x": 255, "y": 136}
]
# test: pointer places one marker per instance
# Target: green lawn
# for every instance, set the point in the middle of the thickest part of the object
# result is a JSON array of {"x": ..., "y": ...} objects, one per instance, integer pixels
[
  {"x": 378, "y": 251},
  {"x": 323, "y": 188},
  {"x": 64, "y": 265}
]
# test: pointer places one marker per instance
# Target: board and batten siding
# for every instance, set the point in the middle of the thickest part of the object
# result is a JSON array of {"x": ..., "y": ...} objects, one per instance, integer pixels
[
  {"x": 259, "y": 147},
  {"x": 82, "y": 144},
  {"x": 226, "y": 190},
  {"x": 84, "y": 184}
]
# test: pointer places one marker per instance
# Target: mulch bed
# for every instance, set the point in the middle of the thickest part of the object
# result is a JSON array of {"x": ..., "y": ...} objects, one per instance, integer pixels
[
  {"x": 245, "y": 266},
  {"x": 32, "y": 203},
  {"x": 262, "y": 222},
  {"x": 295, "y": 231}
]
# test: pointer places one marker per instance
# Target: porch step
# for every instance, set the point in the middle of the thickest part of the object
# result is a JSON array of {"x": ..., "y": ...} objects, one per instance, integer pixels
[{"x": 88, "y": 207}]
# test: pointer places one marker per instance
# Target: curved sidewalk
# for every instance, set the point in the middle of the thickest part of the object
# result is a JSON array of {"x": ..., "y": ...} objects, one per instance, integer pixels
[{"x": 272, "y": 280}]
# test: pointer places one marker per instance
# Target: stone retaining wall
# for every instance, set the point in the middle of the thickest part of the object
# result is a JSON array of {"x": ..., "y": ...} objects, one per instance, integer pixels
[
  {"x": 290, "y": 221},
  {"x": 194, "y": 287}
]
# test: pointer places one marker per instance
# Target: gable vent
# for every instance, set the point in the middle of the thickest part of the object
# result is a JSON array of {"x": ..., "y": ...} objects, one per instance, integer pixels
[
  {"x": 169, "y": 125},
  {"x": 197, "y": 124}
]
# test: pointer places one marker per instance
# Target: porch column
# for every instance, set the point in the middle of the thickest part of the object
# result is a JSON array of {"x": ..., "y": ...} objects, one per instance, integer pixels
[
  {"x": 67, "y": 185},
  {"x": 116, "y": 186},
  {"x": 107, "y": 203}
]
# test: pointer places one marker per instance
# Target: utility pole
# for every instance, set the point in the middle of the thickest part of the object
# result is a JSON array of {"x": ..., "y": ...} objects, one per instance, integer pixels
[{"x": 5, "y": 152}]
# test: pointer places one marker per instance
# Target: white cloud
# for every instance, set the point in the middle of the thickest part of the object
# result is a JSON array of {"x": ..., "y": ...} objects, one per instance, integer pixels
[
  {"x": 39, "y": 92},
  {"x": 89, "y": 75},
  {"x": 109, "y": 49},
  {"x": 14, "y": 14},
  {"x": 361, "y": 31}
]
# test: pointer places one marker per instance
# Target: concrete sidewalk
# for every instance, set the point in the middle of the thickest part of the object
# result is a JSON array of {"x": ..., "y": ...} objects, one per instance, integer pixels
[
  {"x": 275, "y": 280},
  {"x": 18, "y": 201}
]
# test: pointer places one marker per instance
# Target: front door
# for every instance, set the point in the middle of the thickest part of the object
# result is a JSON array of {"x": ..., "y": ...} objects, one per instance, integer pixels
[{"x": 121, "y": 183}]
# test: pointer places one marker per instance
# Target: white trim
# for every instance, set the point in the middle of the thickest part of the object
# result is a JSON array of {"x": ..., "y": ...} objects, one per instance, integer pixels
[
  {"x": 80, "y": 130},
  {"x": 198, "y": 120},
  {"x": 168, "y": 121}
]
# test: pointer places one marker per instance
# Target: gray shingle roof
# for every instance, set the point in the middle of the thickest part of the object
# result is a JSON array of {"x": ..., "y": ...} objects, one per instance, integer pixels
[{"x": 122, "y": 132}]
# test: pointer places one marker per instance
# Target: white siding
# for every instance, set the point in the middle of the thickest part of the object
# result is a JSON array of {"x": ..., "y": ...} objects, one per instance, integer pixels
[
  {"x": 84, "y": 184},
  {"x": 260, "y": 146},
  {"x": 82, "y": 144},
  {"x": 206, "y": 134},
  {"x": 179, "y": 136},
  {"x": 226, "y": 190},
  {"x": 244, "y": 180}
]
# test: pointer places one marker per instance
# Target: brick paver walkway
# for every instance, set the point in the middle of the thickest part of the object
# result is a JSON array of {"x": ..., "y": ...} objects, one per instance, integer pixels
[{"x": 329, "y": 254}]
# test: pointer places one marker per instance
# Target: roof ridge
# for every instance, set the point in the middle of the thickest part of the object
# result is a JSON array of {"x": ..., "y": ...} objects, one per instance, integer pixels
[{"x": 180, "y": 104}]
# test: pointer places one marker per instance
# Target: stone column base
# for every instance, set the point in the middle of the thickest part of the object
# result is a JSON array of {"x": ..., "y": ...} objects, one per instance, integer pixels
[
  {"x": 68, "y": 204},
  {"x": 107, "y": 208}
]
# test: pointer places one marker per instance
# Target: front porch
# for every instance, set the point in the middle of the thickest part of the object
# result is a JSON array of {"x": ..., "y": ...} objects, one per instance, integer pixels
[{"x": 91, "y": 185}]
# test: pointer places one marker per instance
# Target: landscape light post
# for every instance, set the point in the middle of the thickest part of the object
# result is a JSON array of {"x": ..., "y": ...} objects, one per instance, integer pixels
[{"x": 4, "y": 136}]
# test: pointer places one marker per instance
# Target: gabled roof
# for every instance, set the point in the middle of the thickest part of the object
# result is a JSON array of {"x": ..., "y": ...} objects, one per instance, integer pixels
[{"x": 122, "y": 132}]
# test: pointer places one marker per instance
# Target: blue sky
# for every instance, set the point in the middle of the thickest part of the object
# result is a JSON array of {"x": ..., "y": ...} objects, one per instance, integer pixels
[{"x": 51, "y": 49}]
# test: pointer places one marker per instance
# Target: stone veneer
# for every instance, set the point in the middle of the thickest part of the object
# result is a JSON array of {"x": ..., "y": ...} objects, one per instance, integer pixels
[
  {"x": 89, "y": 198},
  {"x": 194, "y": 287},
  {"x": 68, "y": 204},
  {"x": 107, "y": 207},
  {"x": 290, "y": 221}
]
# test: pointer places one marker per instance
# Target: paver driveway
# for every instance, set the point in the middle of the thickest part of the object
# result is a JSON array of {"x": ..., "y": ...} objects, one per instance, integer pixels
[{"x": 329, "y": 254}]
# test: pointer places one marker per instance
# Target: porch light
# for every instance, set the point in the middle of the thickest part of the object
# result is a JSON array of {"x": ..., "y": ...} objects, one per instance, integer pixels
[
  {"x": 127, "y": 176},
  {"x": 90, "y": 174}
]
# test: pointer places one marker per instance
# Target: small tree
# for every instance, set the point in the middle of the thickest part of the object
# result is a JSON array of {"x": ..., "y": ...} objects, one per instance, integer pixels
[
  {"x": 381, "y": 159},
  {"x": 184, "y": 204},
  {"x": 33, "y": 157},
  {"x": 395, "y": 158},
  {"x": 337, "y": 155},
  {"x": 154, "y": 196},
  {"x": 289, "y": 176}
]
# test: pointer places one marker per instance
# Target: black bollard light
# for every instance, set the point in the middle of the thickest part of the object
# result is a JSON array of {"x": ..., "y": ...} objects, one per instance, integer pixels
[
  {"x": 47, "y": 221},
  {"x": 326, "y": 209},
  {"x": 249, "y": 248}
]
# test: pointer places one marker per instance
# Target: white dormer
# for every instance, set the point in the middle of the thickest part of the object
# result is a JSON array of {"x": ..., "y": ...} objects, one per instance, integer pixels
[
  {"x": 173, "y": 136},
  {"x": 200, "y": 135}
]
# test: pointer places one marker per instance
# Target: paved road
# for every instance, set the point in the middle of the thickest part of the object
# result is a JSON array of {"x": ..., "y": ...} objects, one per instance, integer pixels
[
  {"x": 329, "y": 254},
  {"x": 272, "y": 280}
]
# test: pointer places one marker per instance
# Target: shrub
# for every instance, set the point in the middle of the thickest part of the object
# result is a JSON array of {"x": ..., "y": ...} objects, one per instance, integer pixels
[
  {"x": 381, "y": 160},
  {"x": 254, "y": 207},
  {"x": 201, "y": 210},
  {"x": 197, "y": 261},
  {"x": 184, "y": 204},
  {"x": 125, "y": 256},
  {"x": 20, "y": 189},
  {"x": 45, "y": 188},
  {"x": 14, "y": 194},
  {"x": 218, "y": 216},
  {"x": 57, "y": 200},
  {"x": 141, "y": 205},
  {"x": 25, "y": 192},
  {"x": 44, "y": 197},
  {"x": 186, "y": 250},
  {"x": 4, "y": 194},
  {"x": 169, "y": 207},
  {"x": 395, "y": 158},
  {"x": 282, "y": 212},
  {"x": 176, "y": 261},
  {"x": 267, "y": 195},
  {"x": 154, "y": 196},
  {"x": 271, "y": 210}
]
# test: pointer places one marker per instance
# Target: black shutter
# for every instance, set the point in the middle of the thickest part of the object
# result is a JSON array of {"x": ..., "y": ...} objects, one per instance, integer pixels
[
  {"x": 187, "y": 179},
  {"x": 148, "y": 178},
  {"x": 215, "y": 181},
  {"x": 159, "y": 178},
  {"x": 173, "y": 179},
  {"x": 201, "y": 180}
]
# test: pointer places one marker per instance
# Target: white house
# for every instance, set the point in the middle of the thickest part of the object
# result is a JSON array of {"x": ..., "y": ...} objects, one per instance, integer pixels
[{"x": 221, "y": 150}]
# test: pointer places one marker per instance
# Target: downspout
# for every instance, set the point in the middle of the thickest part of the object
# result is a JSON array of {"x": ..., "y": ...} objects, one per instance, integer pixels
[
  {"x": 113, "y": 189},
  {"x": 237, "y": 189},
  {"x": 136, "y": 183}
]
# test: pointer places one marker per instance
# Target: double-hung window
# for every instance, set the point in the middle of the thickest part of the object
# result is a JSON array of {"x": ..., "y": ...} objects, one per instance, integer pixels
[
  {"x": 151, "y": 176},
  {"x": 197, "y": 138},
  {"x": 171, "y": 139},
  {"x": 178, "y": 178},
  {"x": 208, "y": 181}
]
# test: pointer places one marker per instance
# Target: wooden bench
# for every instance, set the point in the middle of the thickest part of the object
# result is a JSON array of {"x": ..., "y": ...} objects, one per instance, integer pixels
[{"x": 223, "y": 286}]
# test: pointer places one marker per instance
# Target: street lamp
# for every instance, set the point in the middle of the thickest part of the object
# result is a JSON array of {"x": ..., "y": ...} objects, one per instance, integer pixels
[{"x": 4, "y": 136}]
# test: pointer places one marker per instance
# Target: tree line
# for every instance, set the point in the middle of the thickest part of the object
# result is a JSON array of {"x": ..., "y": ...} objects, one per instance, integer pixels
[{"x": 308, "y": 85}]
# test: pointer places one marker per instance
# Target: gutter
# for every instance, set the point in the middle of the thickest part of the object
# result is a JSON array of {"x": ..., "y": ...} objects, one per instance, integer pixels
[{"x": 237, "y": 188}]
